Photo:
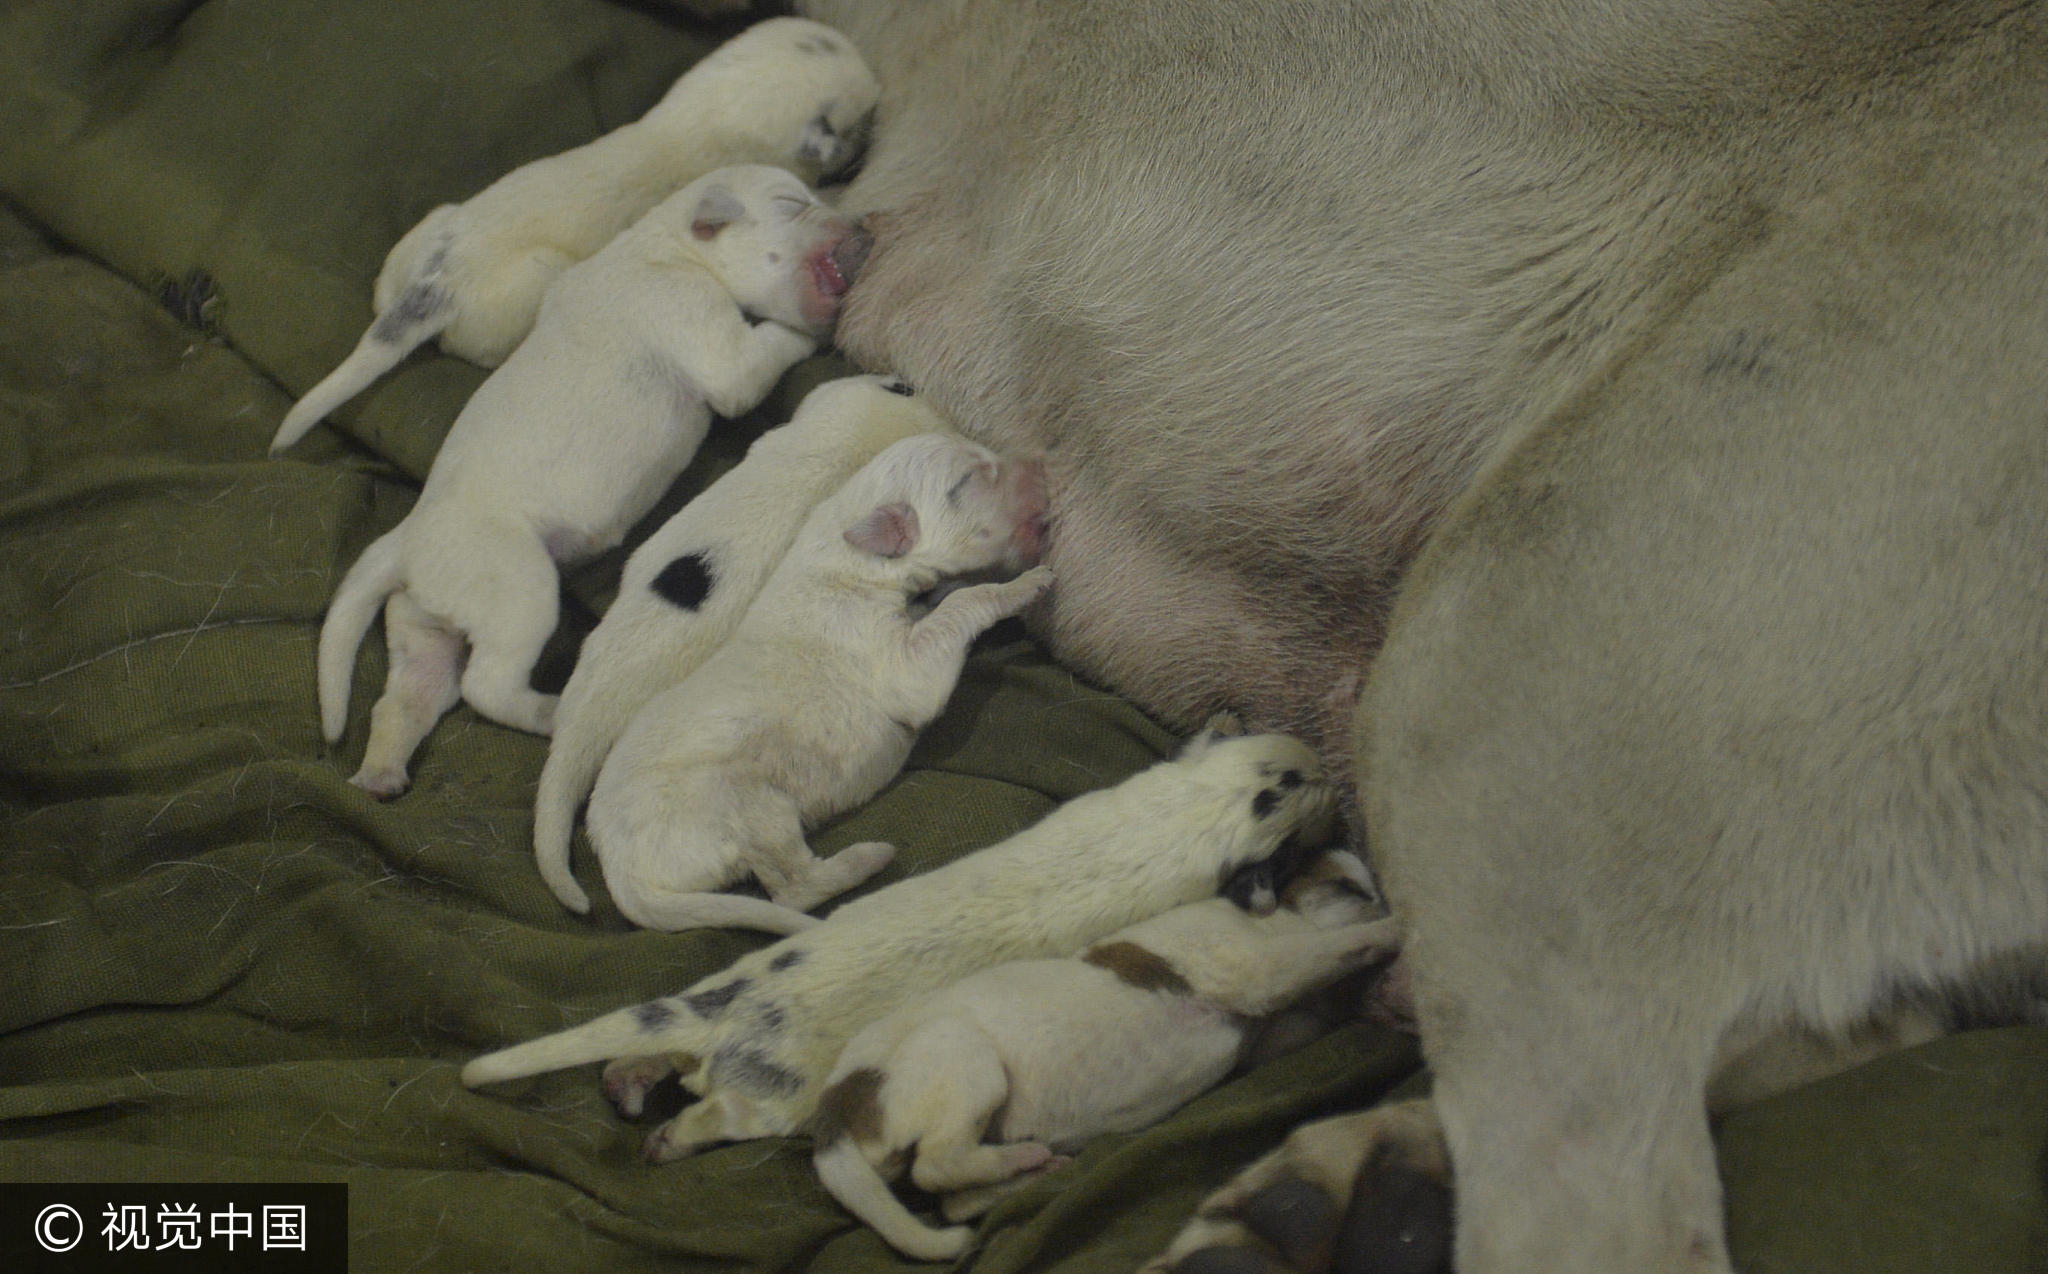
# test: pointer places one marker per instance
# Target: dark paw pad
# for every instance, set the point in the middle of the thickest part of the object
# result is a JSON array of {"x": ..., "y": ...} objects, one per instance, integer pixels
[
  {"x": 1298, "y": 1219},
  {"x": 1399, "y": 1221}
]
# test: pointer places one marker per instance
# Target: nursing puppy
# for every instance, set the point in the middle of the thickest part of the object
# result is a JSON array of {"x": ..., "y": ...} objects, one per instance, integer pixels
[
  {"x": 698, "y": 308},
  {"x": 814, "y": 702},
  {"x": 786, "y": 92},
  {"x": 684, "y": 590},
  {"x": 996, "y": 1074},
  {"x": 757, "y": 1041}
]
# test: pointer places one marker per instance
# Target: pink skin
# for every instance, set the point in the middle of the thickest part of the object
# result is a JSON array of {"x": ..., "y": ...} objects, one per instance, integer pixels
[
  {"x": 1023, "y": 485},
  {"x": 830, "y": 270}
]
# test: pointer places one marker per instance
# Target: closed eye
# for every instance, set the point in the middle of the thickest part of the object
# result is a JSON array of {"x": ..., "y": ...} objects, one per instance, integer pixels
[
  {"x": 953, "y": 492},
  {"x": 791, "y": 205}
]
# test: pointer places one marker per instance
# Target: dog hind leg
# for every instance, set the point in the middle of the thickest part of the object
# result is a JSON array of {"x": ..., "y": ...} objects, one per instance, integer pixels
[
  {"x": 423, "y": 684},
  {"x": 724, "y": 1116}
]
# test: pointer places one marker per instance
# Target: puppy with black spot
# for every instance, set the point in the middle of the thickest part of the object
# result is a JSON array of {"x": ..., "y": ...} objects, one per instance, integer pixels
[
  {"x": 698, "y": 308},
  {"x": 813, "y": 703},
  {"x": 683, "y": 591},
  {"x": 786, "y": 92},
  {"x": 757, "y": 1041},
  {"x": 1002, "y": 1072}
]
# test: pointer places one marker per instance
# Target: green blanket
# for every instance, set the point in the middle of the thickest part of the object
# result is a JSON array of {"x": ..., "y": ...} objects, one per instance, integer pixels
[{"x": 219, "y": 962}]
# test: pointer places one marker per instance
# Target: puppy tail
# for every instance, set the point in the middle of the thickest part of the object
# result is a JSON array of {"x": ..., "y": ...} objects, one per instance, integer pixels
[
  {"x": 674, "y": 911},
  {"x": 852, "y": 1180},
  {"x": 420, "y": 311},
  {"x": 374, "y": 577},
  {"x": 582, "y": 741},
  {"x": 642, "y": 1029}
]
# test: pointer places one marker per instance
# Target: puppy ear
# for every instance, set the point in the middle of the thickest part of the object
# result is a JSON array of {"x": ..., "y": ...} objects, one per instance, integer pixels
[
  {"x": 715, "y": 211},
  {"x": 889, "y": 531}
]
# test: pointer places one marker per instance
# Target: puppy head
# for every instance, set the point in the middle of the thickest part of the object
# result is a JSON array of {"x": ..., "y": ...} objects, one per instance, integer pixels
[
  {"x": 787, "y": 92},
  {"x": 784, "y": 256},
  {"x": 1268, "y": 800},
  {"x": 939, "y": 505}
]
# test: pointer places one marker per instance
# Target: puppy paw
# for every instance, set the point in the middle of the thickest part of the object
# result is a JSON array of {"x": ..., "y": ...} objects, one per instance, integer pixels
[
  {"x": 1369, "y": 1191},
  {"x": 386, "y": 783},
  {"x": 628, "y": 1080}
]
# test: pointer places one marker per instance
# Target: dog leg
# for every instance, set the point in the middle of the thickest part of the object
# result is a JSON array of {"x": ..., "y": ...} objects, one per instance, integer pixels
[
  {"x": 742, "y": 361},
  {"x": 810, "y": 881},
  {"x": 422, "y": 685},
  {"x": 724, "y": 1116},
  {"x": 966, "y": 613},
  {"x": 952, "y": 1082},
  {"x": 506, "y": 637},
  {"x": 1288, "y": 1211}
]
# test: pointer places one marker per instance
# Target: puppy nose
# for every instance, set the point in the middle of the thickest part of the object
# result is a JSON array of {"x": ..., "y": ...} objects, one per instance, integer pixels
[{"x": 851, "y": 252}]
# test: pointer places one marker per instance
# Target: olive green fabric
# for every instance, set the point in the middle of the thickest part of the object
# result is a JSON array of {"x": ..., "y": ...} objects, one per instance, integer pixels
[{"x": 218, "y": 961}]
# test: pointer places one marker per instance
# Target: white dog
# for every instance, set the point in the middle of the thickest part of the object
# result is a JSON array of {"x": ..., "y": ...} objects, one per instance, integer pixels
[
  {"x": 684, "y": 590},
  {"x": 814, "y": 702},
  {"x": 785, "y": 92},
  {"x": 572, "y": 441},
  {"x": 757, "y": 1041},
  {"x": 1037, "y": 1056}
]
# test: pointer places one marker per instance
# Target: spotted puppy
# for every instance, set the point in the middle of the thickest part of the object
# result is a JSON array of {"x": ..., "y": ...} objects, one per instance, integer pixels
[
  {"x": 684, "y": 590},
  {"x": 814, "y": 702},
  {"x": 698, "y": 308},
  {"x": 757, "y": 1041},
  {"x": 1036, "y": 1056},
  {"x": 786, "y": 92}
]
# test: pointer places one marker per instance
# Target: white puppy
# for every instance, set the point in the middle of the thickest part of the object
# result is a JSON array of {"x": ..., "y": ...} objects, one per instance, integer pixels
[
  {"x": 758, "y": 1040},
  {"x": 572, "y": 441},
  {"x": 814, "y": 702},
  {"x": 786, "y": 92},
  {"x": 1037, "y": 1056},
  {"x": 684, "y": 590}
]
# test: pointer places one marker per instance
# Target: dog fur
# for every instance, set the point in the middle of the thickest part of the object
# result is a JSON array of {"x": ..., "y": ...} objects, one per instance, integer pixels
[
  {"x": 785, "y": 92},
  {"x": 757, "y": 1041},
  {"x": 698, "y": 308},
  {"x": 813, "y": 703},
  {"x": 1004, "y": 1070},
  {"x": 1703, "y": 347},
  {"x": 683, "y": 590}
]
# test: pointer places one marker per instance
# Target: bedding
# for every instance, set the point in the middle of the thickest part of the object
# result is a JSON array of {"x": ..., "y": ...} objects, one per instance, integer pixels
[{"x": 219, "y": 962}]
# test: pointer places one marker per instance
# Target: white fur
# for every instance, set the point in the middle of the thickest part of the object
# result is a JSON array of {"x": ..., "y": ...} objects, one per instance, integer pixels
[
  {"x": 762, "y": 1035},
  {"x": 814, "y": 702},
  {"x": 738, "y": 528},
  {"x": 787, "y": 92},
  {"x": 1037, "y": 1056},
  {"x": 572, "y": 441}
]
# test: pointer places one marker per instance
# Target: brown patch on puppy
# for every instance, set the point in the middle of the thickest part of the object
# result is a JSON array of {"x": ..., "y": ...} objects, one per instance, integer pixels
[
  {"x": 1141, "y": 968},
  {"x": 849, "y": 1108}
]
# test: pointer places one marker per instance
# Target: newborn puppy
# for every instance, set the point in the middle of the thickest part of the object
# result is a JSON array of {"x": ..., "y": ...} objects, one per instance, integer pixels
[
  {"x": 1039, "y": 1055},
  {"x": 684, "y": 590},
  {"x": 786, "y": 92},
  {"x": 757, "y": 1040},
  {"x": 698, "y": 308},
  {"x": 813, "y": 703}
]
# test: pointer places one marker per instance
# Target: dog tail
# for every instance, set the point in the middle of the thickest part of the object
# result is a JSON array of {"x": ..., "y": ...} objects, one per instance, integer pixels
[
  {"x": 585, "y": 729},
  {"x": 852, "y": 1180},
  {"x": 641, "y": 1029},
  {"x": 373, "y": 578},
  {"x": 420, "y": 311},
  {"x": 674, "y": 911}
]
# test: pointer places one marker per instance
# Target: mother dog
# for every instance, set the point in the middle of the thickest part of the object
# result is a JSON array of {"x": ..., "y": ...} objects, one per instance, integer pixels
[{"x": 1691, "y": 361}]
